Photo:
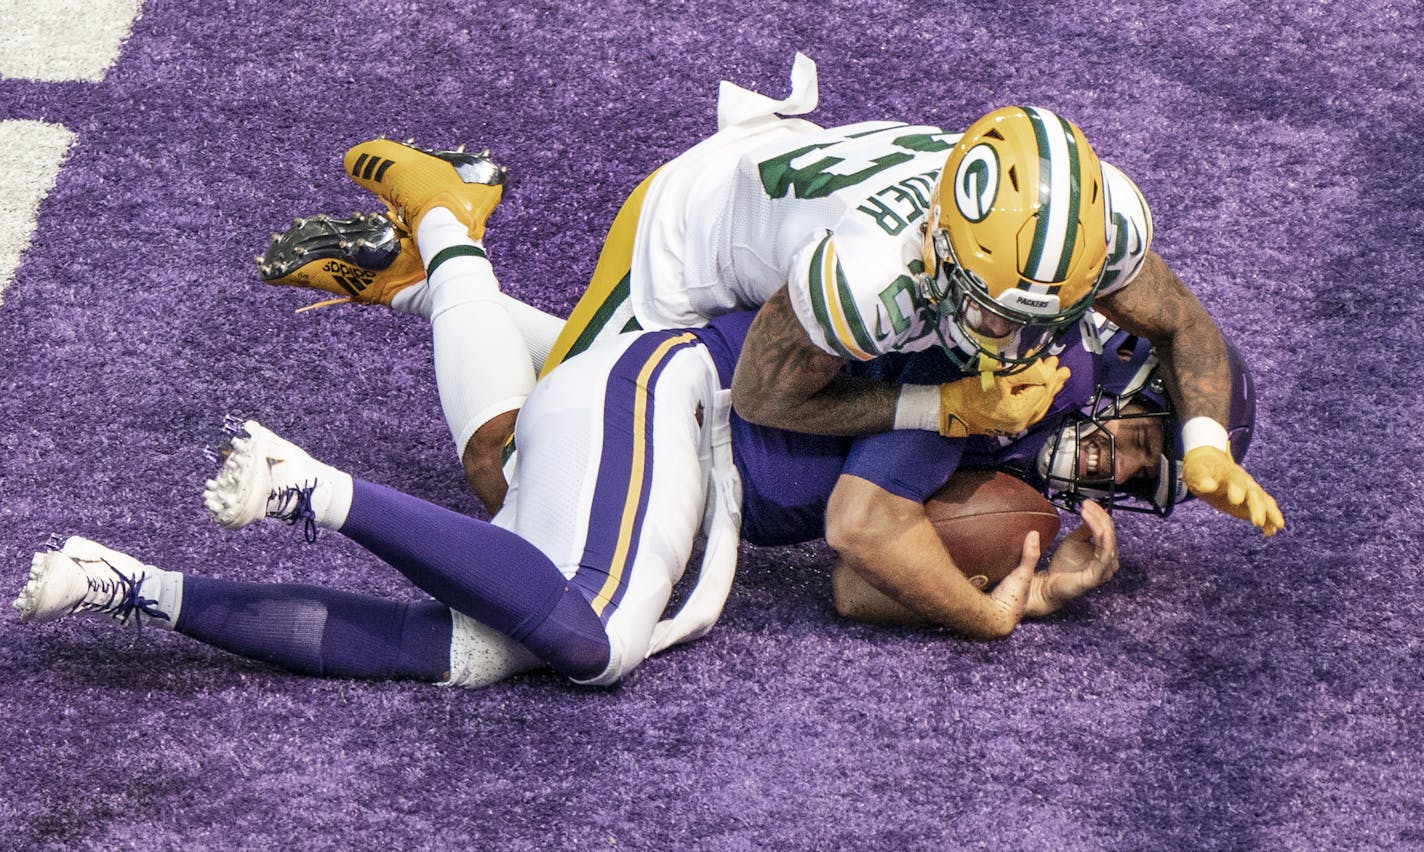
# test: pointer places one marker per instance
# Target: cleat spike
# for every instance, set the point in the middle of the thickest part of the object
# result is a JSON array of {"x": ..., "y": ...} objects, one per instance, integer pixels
[
  {"x": 366, "y": 240},
  {"x": 232, "y": 426},
  {"x": 410, "y": 141},
  {"x": 54, "y": 542}
]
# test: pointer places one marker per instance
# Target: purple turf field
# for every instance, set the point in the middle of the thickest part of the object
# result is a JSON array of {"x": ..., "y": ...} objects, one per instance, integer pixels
[{"x": 1223, "y": 692}]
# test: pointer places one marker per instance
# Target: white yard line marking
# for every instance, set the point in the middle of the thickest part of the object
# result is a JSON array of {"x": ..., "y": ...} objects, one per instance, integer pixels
[
  {"x": 24, "y": 183},
  {"x": 63, "y": 40}
]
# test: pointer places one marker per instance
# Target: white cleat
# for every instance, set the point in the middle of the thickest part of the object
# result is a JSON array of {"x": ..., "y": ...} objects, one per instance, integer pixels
[
  {"x": 262, "y": 476},
  {"x": 84, "y": 576}
]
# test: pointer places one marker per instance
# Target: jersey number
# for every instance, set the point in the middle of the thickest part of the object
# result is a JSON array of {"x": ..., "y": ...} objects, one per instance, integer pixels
[{"x": 816, "y": 180}]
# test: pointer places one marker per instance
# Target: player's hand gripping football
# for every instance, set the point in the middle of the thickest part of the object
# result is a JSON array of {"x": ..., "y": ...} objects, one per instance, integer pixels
[
  {"x": 1085, "y": 559},
  {"x": 1007, "y": 407},
  {"x": 1010, "y": 596},
  {"x": 1226, "y": 486}
]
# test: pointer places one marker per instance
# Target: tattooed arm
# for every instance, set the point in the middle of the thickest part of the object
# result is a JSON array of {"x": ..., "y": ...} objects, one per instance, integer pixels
[
  {"x": 1158, "y": 306},
  {"x": 783, "y": 381}
]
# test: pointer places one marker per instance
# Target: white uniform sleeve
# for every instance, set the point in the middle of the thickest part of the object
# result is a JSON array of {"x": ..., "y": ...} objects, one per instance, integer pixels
[
  {"x": 847, "y": 310},
  {"x": 1131, "y": 230}
]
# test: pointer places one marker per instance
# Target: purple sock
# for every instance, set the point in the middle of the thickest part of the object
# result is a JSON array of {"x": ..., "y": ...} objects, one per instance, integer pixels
[
  {"x": 488, "y": 573},
  {"x": 316, "y": 631}
]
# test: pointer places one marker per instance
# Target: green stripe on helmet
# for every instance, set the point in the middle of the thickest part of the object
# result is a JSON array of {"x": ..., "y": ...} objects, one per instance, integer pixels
[
  {"x": 1047, "y": 204},
  {"x": 1045, "y": 170},
  {"x": 1075, "y": 187}
]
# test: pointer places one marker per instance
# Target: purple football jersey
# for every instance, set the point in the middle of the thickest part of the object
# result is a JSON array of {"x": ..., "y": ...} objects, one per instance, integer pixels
[{"x": 787, "y": 477}]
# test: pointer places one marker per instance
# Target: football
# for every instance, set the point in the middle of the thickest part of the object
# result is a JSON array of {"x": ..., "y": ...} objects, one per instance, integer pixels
[{"x": 982, "y": 517}]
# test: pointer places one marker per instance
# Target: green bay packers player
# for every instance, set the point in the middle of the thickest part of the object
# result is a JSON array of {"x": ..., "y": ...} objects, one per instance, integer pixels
[{"x": 886, "y": 237}]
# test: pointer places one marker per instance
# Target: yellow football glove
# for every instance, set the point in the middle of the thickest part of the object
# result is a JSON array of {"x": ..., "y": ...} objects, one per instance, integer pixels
[
  {"x": 1009, "y": 405},
  {"x": 1226, "y": 486}
]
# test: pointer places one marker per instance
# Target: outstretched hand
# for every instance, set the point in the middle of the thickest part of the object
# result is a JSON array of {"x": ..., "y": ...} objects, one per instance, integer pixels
[
  {"x": 1226, "y": 486},
  {"x": 1086, "y": 559}
]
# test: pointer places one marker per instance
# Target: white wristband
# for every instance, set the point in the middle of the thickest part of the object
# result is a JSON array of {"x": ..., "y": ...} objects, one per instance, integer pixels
[
  {"x": 917, "y": 407},
  {"x": 1204, "y": 432}
]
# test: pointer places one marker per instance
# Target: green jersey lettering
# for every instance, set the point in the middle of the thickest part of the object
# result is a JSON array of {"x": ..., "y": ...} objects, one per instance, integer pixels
[
  {"x": 924, "y": 142},
  {"x": 780, "y": 177},
  {"x": 922, "y": 186},
  {"x": 911, "y": 197},
  {"x": 900, "y": 300},
  {"x": 889, "y": 221},
  {"x": 815, "y": 180}
]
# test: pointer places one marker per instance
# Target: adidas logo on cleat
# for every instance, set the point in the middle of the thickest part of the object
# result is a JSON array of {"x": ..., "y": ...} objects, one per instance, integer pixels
[
  {"x": 353, "y": 279},
  {"x": 371, "y": 168},
  {"x": 367, "y": 258},
  {"x": 467, "y": 184}
]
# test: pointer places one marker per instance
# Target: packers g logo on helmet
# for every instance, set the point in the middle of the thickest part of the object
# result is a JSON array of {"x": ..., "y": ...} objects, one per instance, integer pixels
[
  {"x": 1018, "y": 239},
  {"x": 976, "y": 182}
]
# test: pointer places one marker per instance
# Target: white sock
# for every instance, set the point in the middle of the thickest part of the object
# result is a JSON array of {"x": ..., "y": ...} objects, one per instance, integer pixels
[
  {"x": 480, "y": 656},
  {"x": 331, "y": 498},
  {"x": 413, "y": 300},
  {"x": 482, "y": 362},
  {"x": 538, "y": 328},
  {"x": 165, "y": 587}
]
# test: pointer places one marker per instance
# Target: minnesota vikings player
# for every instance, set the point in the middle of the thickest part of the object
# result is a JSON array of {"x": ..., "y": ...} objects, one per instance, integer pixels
[
  {"x": 471, "y": 567},
  {"x": 862, "y": 240},
  {"x": 625, "y": 452},
  {"x": 1121, "y": 449}
]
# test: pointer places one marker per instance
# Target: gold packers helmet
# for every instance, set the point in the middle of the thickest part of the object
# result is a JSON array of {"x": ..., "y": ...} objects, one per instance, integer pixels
[{"x": 1017, "y": 238}]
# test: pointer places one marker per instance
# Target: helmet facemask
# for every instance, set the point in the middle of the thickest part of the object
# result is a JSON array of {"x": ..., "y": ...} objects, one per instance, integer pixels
[
  {"x": 1079, "y": 462},
  {"x": 996, "y": 337}
]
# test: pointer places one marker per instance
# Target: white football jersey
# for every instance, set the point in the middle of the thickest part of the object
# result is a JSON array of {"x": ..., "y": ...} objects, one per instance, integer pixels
[{"x": 834, "y": 214}]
